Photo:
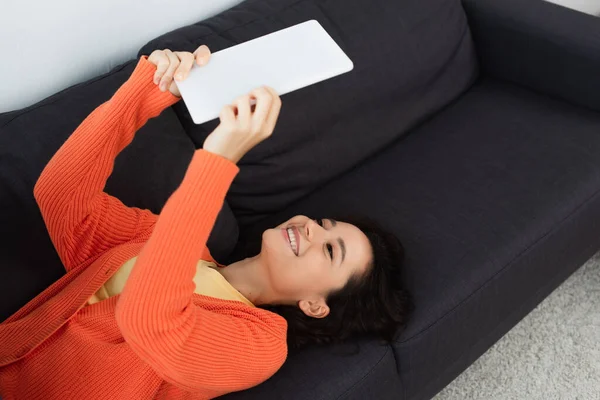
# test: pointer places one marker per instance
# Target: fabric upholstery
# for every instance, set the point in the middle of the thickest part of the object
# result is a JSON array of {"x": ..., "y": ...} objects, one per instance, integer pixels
[
  {"x": 496, "y": 200},
  {"x": 410, "y": 59},
  {"x": 492, "y": 188},
  {"x": 543, "y": 46}
]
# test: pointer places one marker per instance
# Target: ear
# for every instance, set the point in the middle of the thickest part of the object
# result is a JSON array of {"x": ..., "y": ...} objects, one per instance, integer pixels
[{"x": 316, "y": 308}]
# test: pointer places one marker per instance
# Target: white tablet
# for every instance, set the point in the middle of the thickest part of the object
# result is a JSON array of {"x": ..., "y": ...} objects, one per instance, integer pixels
[{"x": 286, "y": 60}]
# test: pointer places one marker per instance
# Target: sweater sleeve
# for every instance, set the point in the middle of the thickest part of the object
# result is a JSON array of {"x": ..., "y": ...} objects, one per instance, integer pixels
[
  {"x": 194, "y": 347},
  {"x": 209, "y": 348},
  {"x": 82, "y": 220}
]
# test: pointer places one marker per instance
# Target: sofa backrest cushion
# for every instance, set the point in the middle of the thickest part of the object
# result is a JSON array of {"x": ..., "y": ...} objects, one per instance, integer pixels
[{"x": 411, "y": 58}]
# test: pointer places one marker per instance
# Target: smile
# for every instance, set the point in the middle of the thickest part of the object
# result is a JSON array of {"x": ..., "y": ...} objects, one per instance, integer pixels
[{"x": 292, "y": 237}]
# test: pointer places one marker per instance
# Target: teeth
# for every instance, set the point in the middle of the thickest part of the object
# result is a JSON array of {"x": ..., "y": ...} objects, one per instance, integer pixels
[{"x": 290, "y": 232}]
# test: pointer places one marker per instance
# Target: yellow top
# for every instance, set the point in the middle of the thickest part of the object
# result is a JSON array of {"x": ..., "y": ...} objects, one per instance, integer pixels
[{"x": 208, "y": 280}]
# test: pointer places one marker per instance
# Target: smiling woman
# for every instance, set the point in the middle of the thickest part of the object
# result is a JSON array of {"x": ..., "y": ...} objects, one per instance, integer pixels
[
  {"x": 331, "y": 279},
  {"x": 143, "y": 304}
]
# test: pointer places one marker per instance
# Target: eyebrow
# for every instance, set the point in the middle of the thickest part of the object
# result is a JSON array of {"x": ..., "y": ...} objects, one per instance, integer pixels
[{"x": 340, "y": 241}]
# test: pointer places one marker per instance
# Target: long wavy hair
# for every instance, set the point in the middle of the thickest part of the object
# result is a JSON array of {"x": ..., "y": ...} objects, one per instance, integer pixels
[{"x": 374, "y": 303}]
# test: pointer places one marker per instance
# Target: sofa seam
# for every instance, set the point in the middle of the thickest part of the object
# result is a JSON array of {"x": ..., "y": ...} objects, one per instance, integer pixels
[
  {"x": 521, "y": 32},
  {"x": 366, "y": 375},
  {"x": 506, "y": 267}
]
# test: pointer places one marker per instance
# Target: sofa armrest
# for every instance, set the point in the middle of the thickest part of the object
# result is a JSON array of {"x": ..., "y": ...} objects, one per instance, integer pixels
[{"x": 546, "y": 47}]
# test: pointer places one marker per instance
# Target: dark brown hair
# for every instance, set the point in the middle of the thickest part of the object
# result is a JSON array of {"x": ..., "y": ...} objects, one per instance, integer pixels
[{"x": 373, "y": 303}]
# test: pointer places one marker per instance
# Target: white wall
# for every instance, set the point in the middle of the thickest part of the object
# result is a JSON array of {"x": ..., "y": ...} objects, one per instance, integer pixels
[
  {"x": 587, "y": 6},
  {"x": 49, "y": 45}
]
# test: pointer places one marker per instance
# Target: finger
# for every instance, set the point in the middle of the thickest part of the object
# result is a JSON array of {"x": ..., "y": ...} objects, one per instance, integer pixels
[
  {"x": 263, "y": 104},
  {"x": 227, "y": 113},
  {"x": 166, "y": 79},
  {"x": 243, "y": 108},
  {"x": 187, "y": 61},
  {"x": 275, "y": 109},
  {"x": 202, "y": 55},
  {"x": 154, "y": 56},
  {"x": 162, "y": 64}
]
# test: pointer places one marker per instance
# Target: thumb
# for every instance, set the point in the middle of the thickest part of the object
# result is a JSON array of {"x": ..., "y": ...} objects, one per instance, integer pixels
[{"x": 202, "y": 55}]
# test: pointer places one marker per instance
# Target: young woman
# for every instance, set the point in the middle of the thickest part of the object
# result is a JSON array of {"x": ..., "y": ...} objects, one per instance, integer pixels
[{"x": 144, "y": 311}]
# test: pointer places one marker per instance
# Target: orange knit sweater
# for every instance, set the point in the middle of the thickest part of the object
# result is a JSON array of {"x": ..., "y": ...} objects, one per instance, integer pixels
[{"x": 157, "y": 339}]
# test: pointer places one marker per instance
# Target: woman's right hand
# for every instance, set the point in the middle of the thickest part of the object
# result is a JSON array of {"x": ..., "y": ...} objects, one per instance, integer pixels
[{"x": 243, "y": 126}]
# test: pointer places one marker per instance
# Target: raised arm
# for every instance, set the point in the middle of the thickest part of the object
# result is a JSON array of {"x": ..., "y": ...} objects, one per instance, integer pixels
[
  {"x": 81, "y": 219},
  {"x": 204, "y": 346}
]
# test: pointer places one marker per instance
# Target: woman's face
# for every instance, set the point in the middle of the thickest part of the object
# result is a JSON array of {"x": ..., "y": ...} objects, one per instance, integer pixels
[{"x": 305, "y": 261}]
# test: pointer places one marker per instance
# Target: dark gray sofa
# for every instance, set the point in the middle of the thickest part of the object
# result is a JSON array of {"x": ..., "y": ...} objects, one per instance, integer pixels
[{"x": 472, "y": 130}]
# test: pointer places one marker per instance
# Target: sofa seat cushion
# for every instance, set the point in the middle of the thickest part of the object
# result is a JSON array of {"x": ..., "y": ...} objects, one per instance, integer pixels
[{"x": 496, "y": 199}]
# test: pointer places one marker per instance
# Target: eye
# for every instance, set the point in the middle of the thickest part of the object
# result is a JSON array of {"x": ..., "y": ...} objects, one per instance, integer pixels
[{"x": 330, "y": 250}]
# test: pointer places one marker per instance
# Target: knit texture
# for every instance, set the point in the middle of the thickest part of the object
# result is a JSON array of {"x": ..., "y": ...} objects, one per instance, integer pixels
[{"x": 157, "y": 339}]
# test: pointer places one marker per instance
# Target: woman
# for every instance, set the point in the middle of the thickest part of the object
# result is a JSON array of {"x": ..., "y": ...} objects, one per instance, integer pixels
[{"x": 144, "y": 311}]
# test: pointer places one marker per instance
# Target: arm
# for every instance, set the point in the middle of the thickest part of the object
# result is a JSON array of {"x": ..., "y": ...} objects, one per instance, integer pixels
[
  {"x": 543, "y": 46},
  {"x": 82, "y": 220},
  {"x": 195, "y": 347}
]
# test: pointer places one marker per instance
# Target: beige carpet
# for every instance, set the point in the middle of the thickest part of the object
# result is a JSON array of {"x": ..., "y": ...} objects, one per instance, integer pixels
[{"x": 553, "y": 353}]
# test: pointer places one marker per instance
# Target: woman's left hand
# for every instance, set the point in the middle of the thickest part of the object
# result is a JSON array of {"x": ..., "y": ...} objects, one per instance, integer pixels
[{"x": 176, "y": 64}]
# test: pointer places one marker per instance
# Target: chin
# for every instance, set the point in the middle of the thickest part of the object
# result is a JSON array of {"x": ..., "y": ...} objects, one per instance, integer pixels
[
  {"x": 268, "y": 240},
  {"x": 272, "y": 246}
]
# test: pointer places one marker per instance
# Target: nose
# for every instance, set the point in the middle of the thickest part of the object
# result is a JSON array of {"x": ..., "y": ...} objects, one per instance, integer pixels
[{"x": 312, "y": 230}]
